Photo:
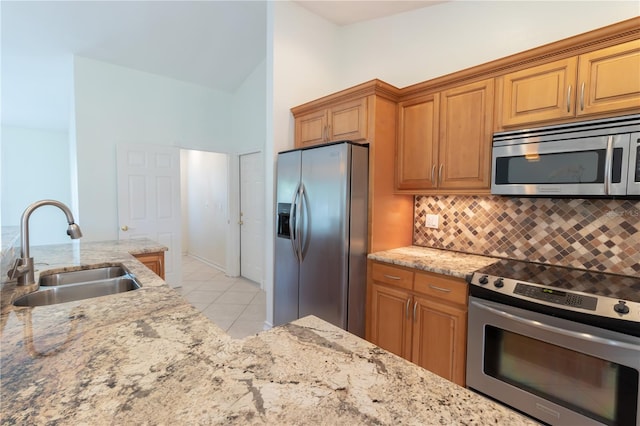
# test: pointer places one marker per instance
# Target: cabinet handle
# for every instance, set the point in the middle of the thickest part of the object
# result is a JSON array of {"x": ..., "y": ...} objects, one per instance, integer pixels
[
  {"x": 415, "y": 307},
  {"x": 329, "y": 132},
  {"x": 392, "y": 277},
  {"x": 324, "y": 133},
  {"x": 569, "y": 99},
  {"x": 433, "y": 174},
  {"x": 440, "y": 174},
  {"x": 582, "y": 97},
  {"x": 407, "y": 307},
  {"x": 445, "y": 290}
]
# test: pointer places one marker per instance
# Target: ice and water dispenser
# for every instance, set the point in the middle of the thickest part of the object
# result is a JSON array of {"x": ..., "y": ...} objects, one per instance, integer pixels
[{"x": 284, "y": 211}]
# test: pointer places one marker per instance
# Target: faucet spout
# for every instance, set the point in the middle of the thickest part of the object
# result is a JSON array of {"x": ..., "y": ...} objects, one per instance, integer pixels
[{"x": 23, "y": 269}]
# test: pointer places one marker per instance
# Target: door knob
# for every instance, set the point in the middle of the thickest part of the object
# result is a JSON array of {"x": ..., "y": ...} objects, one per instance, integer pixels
[{"x": 125, "y": 228}]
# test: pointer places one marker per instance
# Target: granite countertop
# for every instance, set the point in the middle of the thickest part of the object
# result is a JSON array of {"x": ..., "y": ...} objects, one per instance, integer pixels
[
  {"x": 149, "y": 357},
  {"x": 439, "y": 261}
]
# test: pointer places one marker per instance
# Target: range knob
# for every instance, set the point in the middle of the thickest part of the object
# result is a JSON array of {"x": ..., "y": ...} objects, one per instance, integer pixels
[
  {"x": 499, "y": 282},
  {"x": 483, "y": 279},
  {"x": 621, "y": 308}
]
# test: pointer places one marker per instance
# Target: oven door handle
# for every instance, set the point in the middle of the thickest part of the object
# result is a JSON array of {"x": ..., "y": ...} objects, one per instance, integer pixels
[{"x": 545, "y": 327}]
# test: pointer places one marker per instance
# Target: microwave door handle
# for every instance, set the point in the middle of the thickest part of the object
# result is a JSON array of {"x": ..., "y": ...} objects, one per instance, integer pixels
[
  {"x": 608, "y": 166},
  {"x": 549, "y": 328}
]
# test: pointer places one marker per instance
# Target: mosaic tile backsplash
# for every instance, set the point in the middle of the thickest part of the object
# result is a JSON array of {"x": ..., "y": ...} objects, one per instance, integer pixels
[{"x": 598, "y": 235}]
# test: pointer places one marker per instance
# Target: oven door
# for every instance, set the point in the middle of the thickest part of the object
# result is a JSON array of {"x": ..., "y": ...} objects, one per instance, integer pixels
[{"x": 557, "y": 371}]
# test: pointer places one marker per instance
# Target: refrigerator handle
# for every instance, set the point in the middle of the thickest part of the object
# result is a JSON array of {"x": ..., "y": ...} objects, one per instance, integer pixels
[
  {"x": 293, "y": 212},
  {"x": 299, "y": 236}
]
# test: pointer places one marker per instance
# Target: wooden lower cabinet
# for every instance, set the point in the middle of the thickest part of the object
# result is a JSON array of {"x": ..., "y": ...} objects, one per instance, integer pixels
[
  {"x": 390, "y": 324},
  {"x": 439, "y": 339},
  {"x": 153, "y": 261},
  {"x": 426, "y": 329}
]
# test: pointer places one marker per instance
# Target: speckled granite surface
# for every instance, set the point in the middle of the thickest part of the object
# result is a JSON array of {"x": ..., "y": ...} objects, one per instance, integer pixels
[
  {"x": 434, "y": 260},
  {"x": 148, "y": 357}
]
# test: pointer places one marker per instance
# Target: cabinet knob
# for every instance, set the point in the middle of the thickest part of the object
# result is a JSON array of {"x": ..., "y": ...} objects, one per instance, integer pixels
[{"x": 125, "y": 228}]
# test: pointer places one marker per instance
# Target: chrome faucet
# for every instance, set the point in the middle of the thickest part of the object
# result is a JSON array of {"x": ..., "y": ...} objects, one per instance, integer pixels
[{"x": 23, "y": 268}]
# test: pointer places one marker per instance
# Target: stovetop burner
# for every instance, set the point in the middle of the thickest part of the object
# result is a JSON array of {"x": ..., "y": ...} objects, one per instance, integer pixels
[{"x": 596, "y": 283}]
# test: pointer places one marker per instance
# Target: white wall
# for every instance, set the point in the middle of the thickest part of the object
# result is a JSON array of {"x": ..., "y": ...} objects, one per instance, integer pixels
[
  {"x": 416, "y": 46},
  {"x": 249, "y": 112},
  {"x": 206, "y": 205},
  {"x": 35, "y": 166},
  {"x": 115, "y": 105}
]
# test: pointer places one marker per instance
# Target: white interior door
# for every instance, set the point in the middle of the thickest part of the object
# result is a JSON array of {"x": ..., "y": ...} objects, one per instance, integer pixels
[
  {"x": 149, "y": 200},
  {"x": 251, "y": 216}
]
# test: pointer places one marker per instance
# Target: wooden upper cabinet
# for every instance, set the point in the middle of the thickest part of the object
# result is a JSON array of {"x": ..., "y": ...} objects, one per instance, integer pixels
[
  {"x": 311, "y": 129},
  {"x": 444, "y": 141},
  {"x": 609, "y": 79},
  {"x": 541, "y": 93},
  {"x": 343, "y": 121},
  {"x": 466, "y": 129},
  {"x": 348, "y": 121},
  {"x": 417, "y": 143},
  {"x": 601, "y": 82}
]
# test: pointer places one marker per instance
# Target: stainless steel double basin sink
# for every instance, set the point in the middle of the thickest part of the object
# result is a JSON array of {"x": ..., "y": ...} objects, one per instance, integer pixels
[{"x": 78, "y": 285}]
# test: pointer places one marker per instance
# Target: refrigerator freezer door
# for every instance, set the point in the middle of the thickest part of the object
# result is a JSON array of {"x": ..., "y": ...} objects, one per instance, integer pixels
[
  {"x": 286, "y": 268},
  {"x": 323, "y": 287}
]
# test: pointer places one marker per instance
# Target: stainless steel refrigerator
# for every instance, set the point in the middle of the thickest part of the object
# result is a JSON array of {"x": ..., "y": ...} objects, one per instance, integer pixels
[{"x": 321, "y": 235}]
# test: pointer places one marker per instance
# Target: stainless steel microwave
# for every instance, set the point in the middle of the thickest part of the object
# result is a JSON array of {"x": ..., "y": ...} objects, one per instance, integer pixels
[{"x": 598, "y": 158}]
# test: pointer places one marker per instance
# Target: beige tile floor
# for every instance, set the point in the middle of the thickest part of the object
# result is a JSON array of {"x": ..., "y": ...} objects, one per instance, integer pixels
[{"x": 237, "y": 305}]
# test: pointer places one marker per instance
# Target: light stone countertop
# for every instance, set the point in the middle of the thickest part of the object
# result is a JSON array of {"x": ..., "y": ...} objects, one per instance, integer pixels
[
  {"x": 149, "y": 357},
  {"x": 444, "y": 262}
]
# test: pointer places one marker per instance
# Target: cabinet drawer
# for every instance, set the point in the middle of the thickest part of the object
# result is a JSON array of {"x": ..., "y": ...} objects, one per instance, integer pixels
[
  {"x": 453, "y": 290},
  {"x": 392, "y": 275}
]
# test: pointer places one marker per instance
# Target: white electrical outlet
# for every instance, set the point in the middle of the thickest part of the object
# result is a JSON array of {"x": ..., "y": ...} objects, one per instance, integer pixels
[{"x": 432, "y": 221}]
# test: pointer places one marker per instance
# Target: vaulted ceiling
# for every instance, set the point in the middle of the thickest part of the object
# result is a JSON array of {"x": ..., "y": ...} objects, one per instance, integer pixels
[{"x": 215, "y": 44}]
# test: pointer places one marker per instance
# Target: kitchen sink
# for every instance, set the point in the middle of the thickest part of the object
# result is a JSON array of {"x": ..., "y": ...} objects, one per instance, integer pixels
[
  {"x": 78, "y": 291},
  {"x": 73, "y": 277}
]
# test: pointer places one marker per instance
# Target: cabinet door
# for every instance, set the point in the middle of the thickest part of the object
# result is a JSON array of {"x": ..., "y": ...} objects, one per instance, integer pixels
[
  {"x": 466, "y": 129},
  {"x": 311, "y": 129},
  {"x": 417, "y": 143},
  {"x": 541, "y": 93},
  {"x": 153, "y": 261},
  {"x": 390, "y": 323},
  {"x": 439, "y": 339},
  {"x": 609, "y": 79},
  {"x": 348, "y": 121}
]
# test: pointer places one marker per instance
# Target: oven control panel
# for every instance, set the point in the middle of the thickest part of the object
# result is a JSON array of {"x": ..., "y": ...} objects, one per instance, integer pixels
[
  {"x": 557, "y": 296},
  {"x": 552, "y": 296}
]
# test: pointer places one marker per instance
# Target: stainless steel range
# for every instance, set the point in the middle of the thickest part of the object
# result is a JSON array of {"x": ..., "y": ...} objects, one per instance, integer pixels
[{"x": 559, "y": 344}]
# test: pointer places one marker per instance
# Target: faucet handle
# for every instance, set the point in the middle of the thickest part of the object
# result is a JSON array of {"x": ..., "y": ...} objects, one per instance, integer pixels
[
  {"x": 22, "y": 269},
  {"x": 16, "y": 270}
]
